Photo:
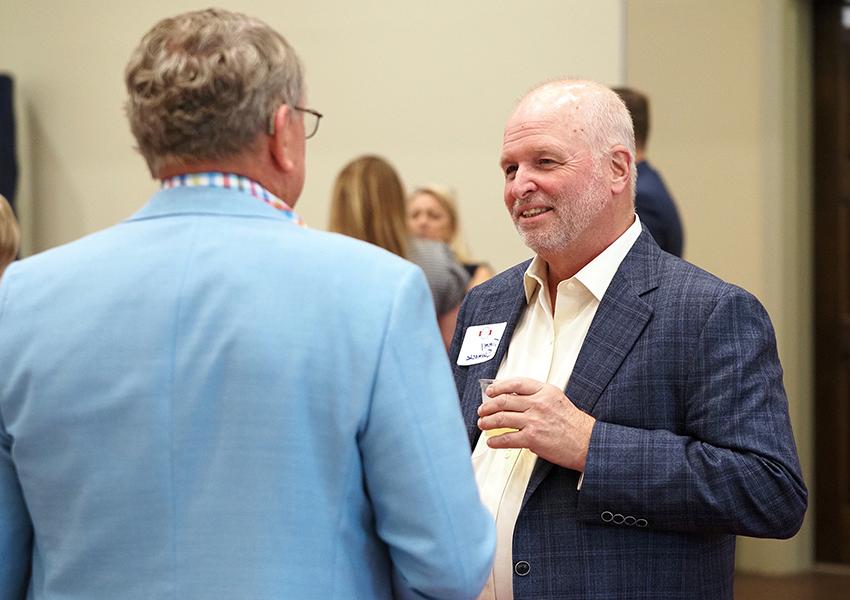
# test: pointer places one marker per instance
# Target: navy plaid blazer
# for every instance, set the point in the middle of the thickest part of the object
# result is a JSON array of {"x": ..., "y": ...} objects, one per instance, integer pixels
[{"x": 692, "y": 444}]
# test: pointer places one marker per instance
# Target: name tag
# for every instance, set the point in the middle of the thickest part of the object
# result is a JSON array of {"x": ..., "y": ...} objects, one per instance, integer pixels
[{"x": 480, "y": 343}]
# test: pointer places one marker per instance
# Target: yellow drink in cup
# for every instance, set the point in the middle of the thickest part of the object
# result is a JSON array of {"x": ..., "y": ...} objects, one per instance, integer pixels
[{"x": 485, "y": 398}]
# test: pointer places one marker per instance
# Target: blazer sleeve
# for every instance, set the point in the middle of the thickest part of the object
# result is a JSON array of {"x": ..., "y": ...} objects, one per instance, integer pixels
[
  {"x": 15, "y": 525},
  {"x": 418, "y": 473},
  {"x": 15, "y": 529},
  {"x": 734, "y": 467}
]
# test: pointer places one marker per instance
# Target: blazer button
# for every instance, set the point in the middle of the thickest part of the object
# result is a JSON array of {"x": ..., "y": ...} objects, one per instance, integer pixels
[
  {"x": 641, "y": 523},
  {"x": 619, "y": 519},
  {"x": 522, "y": 568},
  {"x": 607, "y": 516}
]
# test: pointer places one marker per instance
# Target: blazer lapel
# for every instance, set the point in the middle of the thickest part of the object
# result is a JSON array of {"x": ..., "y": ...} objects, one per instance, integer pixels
[
  {"x": 504, "y": 304},
  {"x": 619, "y": 321}
]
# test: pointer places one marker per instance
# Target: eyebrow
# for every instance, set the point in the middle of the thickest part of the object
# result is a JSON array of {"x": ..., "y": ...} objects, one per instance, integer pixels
[{"x": 553, "y": 149}]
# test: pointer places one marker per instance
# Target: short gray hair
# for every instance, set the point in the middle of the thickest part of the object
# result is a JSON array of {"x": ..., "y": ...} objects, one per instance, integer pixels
[
  {"x": 204, "y": 84},
  {"x": 607, "y": 120}
]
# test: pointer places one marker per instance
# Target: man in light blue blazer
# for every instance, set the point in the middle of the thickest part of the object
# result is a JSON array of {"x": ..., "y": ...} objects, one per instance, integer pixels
[
  {"x": 209, "y": 401},
  {"x": 650, "y": 424}
]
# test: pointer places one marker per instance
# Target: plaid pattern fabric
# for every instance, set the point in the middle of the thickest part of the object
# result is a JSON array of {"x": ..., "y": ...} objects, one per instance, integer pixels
[
  {"x": 235, "y": 182},
  {"x": 692, "y": 444}
]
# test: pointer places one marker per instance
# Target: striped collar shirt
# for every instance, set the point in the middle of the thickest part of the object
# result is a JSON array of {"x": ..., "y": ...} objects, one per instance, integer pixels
[{"x": 231, "y": 181}]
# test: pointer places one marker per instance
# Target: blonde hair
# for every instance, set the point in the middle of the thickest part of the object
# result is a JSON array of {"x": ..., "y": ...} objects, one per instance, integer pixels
[
  {"x": 204, "y": 84},
  {"x": 445, "y": 197},
  {"x": 367, "y": 203},
  {"x": 10, "y": 235}
]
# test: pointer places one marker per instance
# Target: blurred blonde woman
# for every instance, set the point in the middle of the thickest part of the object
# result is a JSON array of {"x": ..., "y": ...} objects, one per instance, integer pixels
[
  {"x": 368, "y": 203},
  {"x": 432, "y": 214},
  {"x": 10, "y": 235}
]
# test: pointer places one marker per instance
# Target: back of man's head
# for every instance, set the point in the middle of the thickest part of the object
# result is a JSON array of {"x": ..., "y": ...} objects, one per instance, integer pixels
[
  {"x": 638, "y": 105},
  {"x": 203, "y": 85}
]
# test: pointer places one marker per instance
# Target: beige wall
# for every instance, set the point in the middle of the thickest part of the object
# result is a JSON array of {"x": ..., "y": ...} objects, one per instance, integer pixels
[
  {"x": 427, "y": 84},
  {"x": 729, "y": 82}
]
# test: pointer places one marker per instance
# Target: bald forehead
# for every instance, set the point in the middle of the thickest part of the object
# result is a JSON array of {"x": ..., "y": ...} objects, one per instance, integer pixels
[
  {"x": 562, "y": 100},
  {"x": 555, "y": 95}
]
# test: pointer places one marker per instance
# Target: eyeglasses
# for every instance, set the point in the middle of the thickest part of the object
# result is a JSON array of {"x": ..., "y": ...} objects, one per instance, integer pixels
[{"x": 311, "y": 121}]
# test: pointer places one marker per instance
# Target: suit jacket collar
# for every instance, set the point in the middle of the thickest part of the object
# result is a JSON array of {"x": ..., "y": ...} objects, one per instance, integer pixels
[
  {"x": 620, "y": 319},
  {"x": 504, "y": 298}
]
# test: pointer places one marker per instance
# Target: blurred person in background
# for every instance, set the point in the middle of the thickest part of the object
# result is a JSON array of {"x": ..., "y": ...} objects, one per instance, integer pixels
[
  {"x": 210, "y": 401},
  {"x": 432, "y": 214},
  {"x": 10, "y": 235},
  {"x": 653, "y": 202},
  {"x": 368, "y": 203}
]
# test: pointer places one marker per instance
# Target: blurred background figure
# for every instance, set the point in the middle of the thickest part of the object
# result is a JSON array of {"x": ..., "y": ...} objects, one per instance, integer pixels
[
  {"x": 8, "y": 152},
  {"x": 653, "y": 202},
  {"x": 368, "y": 204},
  {"x": 10, "y": 235},
  {"x": 432, "y": 214}
]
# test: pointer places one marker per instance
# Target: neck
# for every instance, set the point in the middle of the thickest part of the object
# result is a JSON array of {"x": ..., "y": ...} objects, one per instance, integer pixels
[
  {"x": 566, "y": 262},
  {"x": 640, "y": 155}
]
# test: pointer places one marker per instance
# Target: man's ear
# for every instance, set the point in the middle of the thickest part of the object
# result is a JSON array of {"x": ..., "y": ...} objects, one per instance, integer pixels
[
  {"x": 279, "y": 130},
  {"x": 622, "y": 164}
]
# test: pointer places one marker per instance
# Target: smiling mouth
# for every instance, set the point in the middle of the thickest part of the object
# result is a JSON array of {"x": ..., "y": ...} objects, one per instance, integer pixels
[{"x": 533, "y": 212}]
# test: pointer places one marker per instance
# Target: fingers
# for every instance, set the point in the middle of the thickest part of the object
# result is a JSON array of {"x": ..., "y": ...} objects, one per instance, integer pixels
[
  {"x": 509, "y": 394},
  {"x": 515, "y": 385},
  {"x": 512, "y": 439},
  {"x": 505, "y": 402},
  {"x": 501, "y": 420}
]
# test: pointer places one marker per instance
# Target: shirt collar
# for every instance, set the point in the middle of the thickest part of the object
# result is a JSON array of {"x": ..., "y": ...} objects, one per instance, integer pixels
[
  {"x": 596, "y": 275},
  {"x": 232, "y": 181}
]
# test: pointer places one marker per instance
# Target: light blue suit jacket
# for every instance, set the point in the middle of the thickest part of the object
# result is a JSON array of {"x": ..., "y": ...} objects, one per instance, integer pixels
[{"x": 207, "y": 401}]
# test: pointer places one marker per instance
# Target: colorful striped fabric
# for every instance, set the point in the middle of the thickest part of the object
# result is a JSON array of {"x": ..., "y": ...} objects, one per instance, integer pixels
[{"x": 231, "y": 181}]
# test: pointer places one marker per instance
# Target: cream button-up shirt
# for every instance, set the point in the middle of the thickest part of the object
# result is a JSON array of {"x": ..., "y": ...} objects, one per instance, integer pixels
[{"x": 544, "y": 347}]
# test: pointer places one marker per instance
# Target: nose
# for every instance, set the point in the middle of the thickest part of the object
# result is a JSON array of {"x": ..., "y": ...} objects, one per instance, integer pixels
[
  {"x": 522, "y": 185},
  {"x": 419, "y": 225}
]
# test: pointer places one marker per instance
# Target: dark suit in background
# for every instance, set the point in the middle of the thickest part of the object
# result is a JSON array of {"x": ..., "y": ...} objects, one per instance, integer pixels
[
  {"x": 657, "y": 210},
  {"x": 653, "y": 203},
  {"x": 8, "y": 156}
]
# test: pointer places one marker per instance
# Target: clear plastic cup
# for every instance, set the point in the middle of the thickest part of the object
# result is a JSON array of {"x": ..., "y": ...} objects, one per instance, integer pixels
[{"x": 484, "y": 383}]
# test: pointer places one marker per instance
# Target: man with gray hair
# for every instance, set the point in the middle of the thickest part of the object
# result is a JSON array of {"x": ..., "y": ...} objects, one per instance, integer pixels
[
  {"x": 209, "y": 400},
  {"x": 638, "y": 420}
]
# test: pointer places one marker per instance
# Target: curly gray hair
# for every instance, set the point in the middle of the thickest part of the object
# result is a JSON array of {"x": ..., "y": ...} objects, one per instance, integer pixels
[{"x": 204, "y": 84}]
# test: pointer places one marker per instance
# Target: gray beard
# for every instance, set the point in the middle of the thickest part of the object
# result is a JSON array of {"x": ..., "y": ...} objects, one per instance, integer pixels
[{"x": 568, "y": 227}]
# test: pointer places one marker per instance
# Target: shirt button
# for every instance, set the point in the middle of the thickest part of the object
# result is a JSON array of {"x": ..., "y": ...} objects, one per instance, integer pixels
[{"x": 522, "y": 568}]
